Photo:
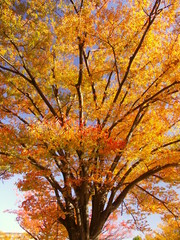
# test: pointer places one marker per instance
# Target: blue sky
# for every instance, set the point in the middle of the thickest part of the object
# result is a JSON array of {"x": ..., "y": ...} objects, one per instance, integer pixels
[{"x": 8, "y": 201}]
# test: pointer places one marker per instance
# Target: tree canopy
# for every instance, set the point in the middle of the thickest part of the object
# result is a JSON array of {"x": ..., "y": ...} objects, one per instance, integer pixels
[{"x": 89, "y": 111}]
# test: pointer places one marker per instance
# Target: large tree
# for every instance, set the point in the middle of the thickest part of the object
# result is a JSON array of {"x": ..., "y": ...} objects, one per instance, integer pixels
[{"x": 89, "y": 107}]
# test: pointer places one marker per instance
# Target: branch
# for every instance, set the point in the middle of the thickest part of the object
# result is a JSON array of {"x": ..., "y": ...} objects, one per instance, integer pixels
[
  {"x": 145, "y": 175},
  {"x": 150, "y": 86},
  {"x": 10, "y": 64},
  {"x": 78, "y": 85},
  {"x": 3, "y": 172},
  {"x": 55, "y": 91},
  {"x": 115, "y": 162},
  {"x": 16, "y": 71},
  {"x": 165, "y": 145},
  {"x": 44, "y": 99},
  {"x": 5, "y": 154},
  {"x": 115, "y": 63},
  {"x": 136, "y": 121},
  {"x": 107, "y": 85},
  {"x": 128, "y": 172},
  {"x": 59, "y": 201},
  {"x": 31, "y": 81},
  {"x": 29, "y": 97},
  {"x": 33, "y": 162},
  {"x": 90, "y": 75},
  {"x": 134, "y": 219},
  {"x": 70, "y": 105},
  {"x": 159, "y": 200},
  {"x": 36, "y": 238},
  {"x": 74, "y": 6},
  {"x": 8, "y": 69},
  {"x": 155, "y": 95},
  {"x": 128, "y": 68},
  {"x": 16, "y": 115},
  {"x": 146, "y": 101},
  {"x": 21, "y": 57},
  {"x": 81, "y": 4}
]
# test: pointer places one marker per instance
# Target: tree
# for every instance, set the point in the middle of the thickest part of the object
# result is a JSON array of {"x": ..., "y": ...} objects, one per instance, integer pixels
[
  {"x": 38, "y": 217},
  {"x": 170, "y": 229},
  {"x": 89, "y": 107},
  {"x": 10, "y": 236},
  {"x": 137, "y": 238}
]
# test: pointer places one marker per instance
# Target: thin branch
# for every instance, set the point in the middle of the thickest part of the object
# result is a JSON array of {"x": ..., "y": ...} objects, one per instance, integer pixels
[
  {"x": 165, "y": 145},
  {"x": 68, "y": 109},
  {"x": 10, "y": 64},
  {"x": 90, "y": 75},
  {"x": 74, "y": 6},
  {"x": 44, "y": 99},
  {"x": 155, "y": 95},
  {"x": 78, "y": 85},
  {"x": 82, "y": 1},
  {"x": 158, "y": 199},
  {"x": 34, "y": 237},
  {"x": 30, "y": 98},
  {"x": 136, "y": 121},
  {"x": 128, "y": 172},
  {"x": 8, "y": 69},
  {"x": 55, "y": 91},
  {"x": 16, "y": 115},
  {"x": 150, "y": 86},
  {"x": 146, "y": 101},
  {"x": 115, "y": 63},
  {"x": 39, "y": 166},
  {"x": 145, "y": 175},
  {"x": 33, "y": 82},
  {"x": 128, "y": 68},
  {"x": 16, "y": 71},
  {"x": 21, "y": 57},
  {"x": 5, "y": 154},
  {"x": 132, "y": 215},
  {"x": 107, "y": 85},
  {"x": 3, "y": 172}
]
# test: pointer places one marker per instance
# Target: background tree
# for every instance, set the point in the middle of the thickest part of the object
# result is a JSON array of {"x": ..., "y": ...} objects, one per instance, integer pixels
[
  {"x": 89, "y": 108},
  {"x": 10, "y": 236},
  {"x": 170, "y": 229},
  {"x": 137, "y": 238}
]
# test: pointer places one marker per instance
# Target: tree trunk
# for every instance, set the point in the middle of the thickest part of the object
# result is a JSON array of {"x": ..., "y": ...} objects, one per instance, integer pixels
[{"x": 74, "y": 235}]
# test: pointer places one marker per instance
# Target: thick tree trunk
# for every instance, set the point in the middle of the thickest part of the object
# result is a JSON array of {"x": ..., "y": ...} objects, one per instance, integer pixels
[
  {"x": 79, "y": 233},
  {"x": 74, "y": 235}
]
